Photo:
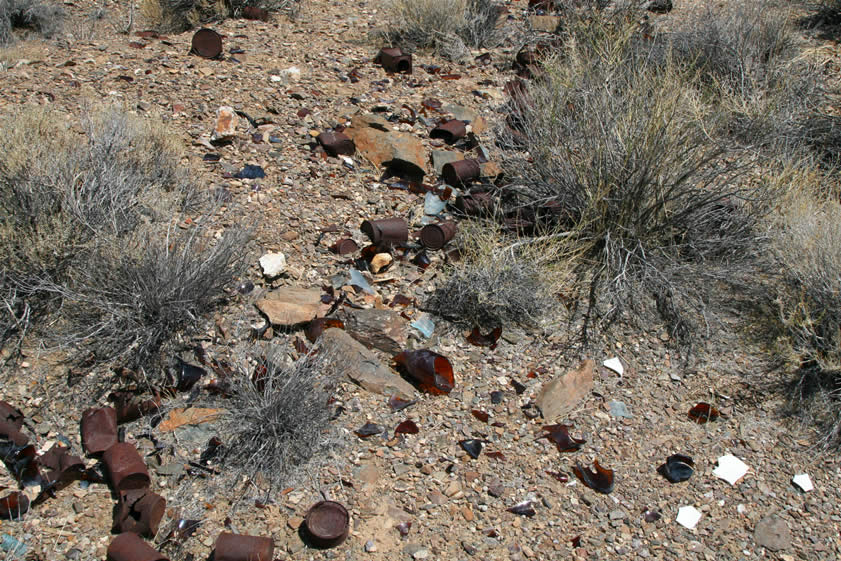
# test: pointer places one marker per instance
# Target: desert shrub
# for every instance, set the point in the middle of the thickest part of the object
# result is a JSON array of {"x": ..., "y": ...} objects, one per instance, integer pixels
[
  {"x": 616, "y": 139},
  {"x": 86, "y": 235},
  {"x": 750, "y": 62},
  {"x": 498, "y": 281},
  {"x": 181, "y": 15},
  {"x": 44, "y": 18},
  {"x": 280, "y": 416},
  {"x": 450, "y": 27}
]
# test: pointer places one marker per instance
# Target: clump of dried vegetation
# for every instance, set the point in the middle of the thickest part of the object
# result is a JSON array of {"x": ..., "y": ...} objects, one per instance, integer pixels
[
  {"x": 499, "y": 280},
  {"x": 449, "y": 27},
  {"x": 280, "y": 418},
  {"x": 92, "y": 259},
  {"x": 181, "y": 15},
  {"x": 44, "y": 18}
]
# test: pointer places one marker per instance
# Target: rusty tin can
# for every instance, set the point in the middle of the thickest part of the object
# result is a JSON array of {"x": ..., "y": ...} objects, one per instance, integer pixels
[
  {"x": 436, "y": 236},
  {"x": 461, "y": 172},
  {"x": 393, "y": 59},
  {"x": 238, "y": 547},
  {"x": 128, "y": 546},
  {"x": 206, "y": 43},
  {"x": 327, "y": 524},
  {"x": 126, "y": 469},
  {"x": 386, "y": 231},
  {"x": 449, "y": 131},
  {"x": 99, "y": 429}
]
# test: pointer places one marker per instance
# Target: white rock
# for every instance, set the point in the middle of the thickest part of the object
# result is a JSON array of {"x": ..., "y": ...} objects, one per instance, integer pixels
[
  {"x": 731, "y": 469},
  {"x": 614, "y": 364},
  {"x": 226, "y": 124},
  {"x": 273, "y": 264},
  {"x": 688, "y": 517},
  {"x": 803, "y": 481}
]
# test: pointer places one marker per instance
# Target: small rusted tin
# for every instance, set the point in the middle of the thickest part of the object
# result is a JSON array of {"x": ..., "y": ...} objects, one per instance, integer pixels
[
  {"x": 206, "y": 43},
  {"x": 449, "y": 131},
  {"x": 436, "y": 236},
  {"x": 255, "y": 13},
  {"x": 237, "y": 547},
  {"x": 140, "y": 511},
  {"x": 475, "y": 204},
  {"x": 393, "y": 59},
  {"x": 99, "y": 429},
  {"x": 344, "y": 247},
  {"x": 128, "y": 546},
  {"x": 336, "y": 143},
  {"x": 386, "y": 231},
  {"x": 461, "y": 172},
  {"x": 126, "y": 469},
  {"x": 327, "y": 524}
]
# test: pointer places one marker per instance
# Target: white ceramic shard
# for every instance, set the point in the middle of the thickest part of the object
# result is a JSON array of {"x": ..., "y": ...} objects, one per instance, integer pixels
[
  {"x": 731, "y": 469},
  {"x": 803, "y": 481},
  {"x": 688, "y": 517},
  {"x": 614, "y": 364}
]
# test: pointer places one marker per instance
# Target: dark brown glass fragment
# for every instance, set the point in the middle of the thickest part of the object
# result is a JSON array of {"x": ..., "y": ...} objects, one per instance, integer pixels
[
  {"x": 317, "y": 326},
  {"x": 559, "y": 435},
  {"x": 480, "y": 415},
  {"x": 407, "y": 427},
  {"x": 704, "y": 412},
  {"x": 524, "y": 508},
  {"x": 600, "y": 480},
  {"x": 398, "y": 403},
  {"x": 489, "y": 340},
  {"x": 431, "y": 372},
  {"x": 473, "y": 447},
  {"x": 677, "y": 468},
  {"x": 367, "y": 430},
  {"x": 13, "y": 506}
]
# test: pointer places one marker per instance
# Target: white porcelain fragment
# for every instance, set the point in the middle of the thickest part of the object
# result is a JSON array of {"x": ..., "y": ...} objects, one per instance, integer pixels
[
  {"x": 730, "y": 468},
  {"x": 803, "y": 481},
  {"x": 688, "y": 517},
  {"x": 614, "y": 364}
]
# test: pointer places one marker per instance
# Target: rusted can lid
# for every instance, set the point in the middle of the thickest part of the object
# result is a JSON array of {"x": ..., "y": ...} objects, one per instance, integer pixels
[
  {"x": 207, "y": 43},
  {"x": 327, "y": 524}
]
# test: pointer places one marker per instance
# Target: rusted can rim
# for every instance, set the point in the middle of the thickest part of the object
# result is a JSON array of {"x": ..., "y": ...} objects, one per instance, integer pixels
[
  {"x": 206, "y": 43},
  {"x": 327, "y": 524}
]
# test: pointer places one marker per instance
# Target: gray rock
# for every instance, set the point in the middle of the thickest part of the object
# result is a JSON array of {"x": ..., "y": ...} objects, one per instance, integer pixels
[
  {"x": 772, "y": 533},
  {"x": 561, "y": 395},
  {"x": 353, "y": 360},
  {"x": 377, "y": 329},
  {"x": 619, "y": 409}
]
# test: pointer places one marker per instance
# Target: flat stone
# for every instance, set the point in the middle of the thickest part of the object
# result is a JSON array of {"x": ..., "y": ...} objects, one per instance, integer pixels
[
  {"x": 561, "y": 395},
  {"x": 772, "y": 533},
  {"x": 442, "y": 157},
  {"x": 401, "y": 152},
  {"x": 291, "y": 306},
  {"x": 462, "y": 113},
  {"x": 619, "y": 409},
  {"x": 385, "y": 330},
  {"x": 361, "y": 365}
]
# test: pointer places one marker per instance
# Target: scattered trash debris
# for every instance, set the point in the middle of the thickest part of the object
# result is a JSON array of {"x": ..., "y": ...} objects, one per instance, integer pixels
[
  {"x": 356, "y": 279},
  {"x": 186, "y": 375},
  {"x": 407, "y": 427},
  {"x": 619, "y": 409},
  {"x": 344, "y": 246},
  {"x": 688, "y": 517},
  {"x": 432, "y": 207},
  {"x": 251, "y": 172},
  {"x": 368, "y": 430},
  {"x": 436, "y": 236},
  {"x": 139, "y": 511},
  {"x": 524, "y": 508},
  {"x": 272, "y": 264},
  {"x": 614, "y": 364},
  {"x": 425, "y": 325},
  {"x": 239, "y": 547},
  {"x": 394, "y": 60},
  {"x": 14, "y": 548},
  {"x": 730, "y": 468},
  {"x": 336, "y": 143},
  {"x": 99, "y": 430},
  {"x": 206, "y": 43},
  {"x": 126, "y": 468},
  {"x": 327, "y": 524},
  {"x": 431, "y": 372},
  {"x": 449, "y": 131},
  {"x": 600, "y": 480},
  {"x": 559, "y": 435},
  {"x": 461, "y": 172},
  {"x": 489, "y": 340},
  {"x": 677, "y": 468},
  {"x": 128, "y": 546},
  {"x": 803, "y": 481},
  {"x": 473, "y": 447},
  {"x": 13, "y": 506},
  {"x": 704, "y": 412},
  {"x": 386, "y": 231}
]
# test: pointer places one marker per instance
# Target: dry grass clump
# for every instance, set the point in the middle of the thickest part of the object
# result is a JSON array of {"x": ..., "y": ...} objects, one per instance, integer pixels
[
  {"x": 499, "y": 281},
  {"x": 807, "y": 245},
  {"x": 181, "y": 15},
  {"x": 280, "y": 415},
  {"x": 44, "y": 18},
  {"x": 450, "y": 27},
  {"x": 616, "y": 138},
  {"x": 90, "y": 254}
]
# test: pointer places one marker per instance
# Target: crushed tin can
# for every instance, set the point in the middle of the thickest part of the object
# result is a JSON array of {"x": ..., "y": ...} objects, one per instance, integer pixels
[
  {"x": 335, "y": 143},
  {"x": 393, "y": 59},
  {"x": 238, "y": 547},
  {"x": 99, "y": 429},
  {"x": 128, "y": 546},
  {"x": 139, "y": 511},
  {"x": 449, "y": 131}
]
